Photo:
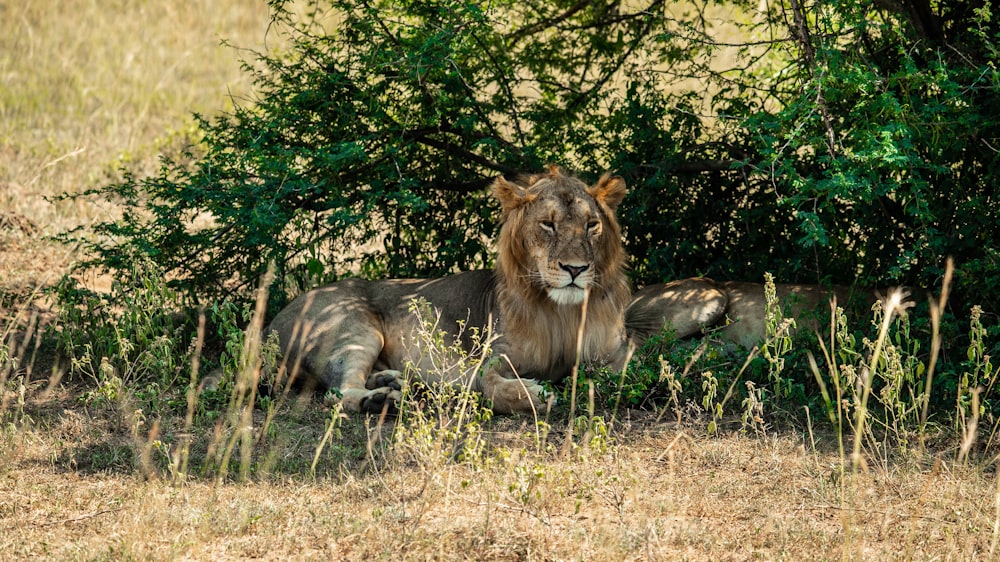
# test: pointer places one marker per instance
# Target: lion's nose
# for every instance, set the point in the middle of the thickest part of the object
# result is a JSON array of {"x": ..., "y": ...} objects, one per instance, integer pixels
[{"x": 574, "y": 270}]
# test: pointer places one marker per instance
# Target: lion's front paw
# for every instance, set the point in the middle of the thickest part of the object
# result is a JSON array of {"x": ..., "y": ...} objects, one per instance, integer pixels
[
  {"x": 385, "y": 379},
  {"x": 519, "y": 396},
  {"x": 378, "y": 400}
]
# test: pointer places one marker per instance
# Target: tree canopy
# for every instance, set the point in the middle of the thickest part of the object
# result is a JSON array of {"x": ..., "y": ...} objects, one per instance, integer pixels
[{"x": 844, "y": 141}]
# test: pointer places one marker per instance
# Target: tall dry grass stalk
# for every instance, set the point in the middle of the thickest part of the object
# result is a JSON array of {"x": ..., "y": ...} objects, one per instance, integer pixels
[
  {"x": 234, "y": 432},
  {"x": 181, "y": 455},
  {"x": 894, "y": 304},
  {"x": 996, "y": 519},
  {"x": 574, "y": 378},
  {"x": 936, "y": 311}
]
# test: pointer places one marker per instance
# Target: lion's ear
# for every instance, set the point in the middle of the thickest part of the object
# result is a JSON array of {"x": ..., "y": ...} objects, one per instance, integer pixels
[
  {"x": 609, "y": 190},
  {"x": 510, "y": 194}
]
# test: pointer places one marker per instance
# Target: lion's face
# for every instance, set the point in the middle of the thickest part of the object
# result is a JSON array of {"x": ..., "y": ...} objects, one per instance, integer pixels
[
  {"x": 562, "y": 229},
  {"x": 559, "y": 234}
]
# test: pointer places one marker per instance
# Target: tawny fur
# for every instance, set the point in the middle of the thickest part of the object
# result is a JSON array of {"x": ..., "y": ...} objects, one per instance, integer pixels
[
  {"x": 559, "y": 245},
  {"x": 737, "y": 309}
]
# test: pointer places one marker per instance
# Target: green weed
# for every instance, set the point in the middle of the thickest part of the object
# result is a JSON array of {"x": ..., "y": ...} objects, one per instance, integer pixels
[
  {"x": 974, "y": 395},
  {"x": 441, "y": 419},
  {"x": 131, "y": 340}
]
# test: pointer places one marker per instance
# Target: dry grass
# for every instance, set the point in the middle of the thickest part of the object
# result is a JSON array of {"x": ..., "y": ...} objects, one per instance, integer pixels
[
  {"x": 89, "y": 84},
  {"x": 659, "y": 493},
  {"x": 92, "y": 82}
]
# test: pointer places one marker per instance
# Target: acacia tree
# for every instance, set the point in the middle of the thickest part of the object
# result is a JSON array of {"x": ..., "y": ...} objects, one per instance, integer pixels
[{"x": 823, "y": 141}]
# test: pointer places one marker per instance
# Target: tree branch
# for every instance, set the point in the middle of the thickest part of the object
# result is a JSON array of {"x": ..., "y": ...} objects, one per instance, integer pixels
[
  {"x": 919, "y": 13},
  {"x": 810, "y": 55},
  {"x": 694, "y": 166},
  {"x": 459, "y": 152},
  {"x": 544, "y": 24},
  {"x": 626, "y": 54}
]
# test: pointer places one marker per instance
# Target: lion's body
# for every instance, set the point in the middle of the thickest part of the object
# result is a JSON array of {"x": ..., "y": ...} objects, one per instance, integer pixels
[
  {"x": 690, "y": 305},
  {"x": 559, "y": 246}
]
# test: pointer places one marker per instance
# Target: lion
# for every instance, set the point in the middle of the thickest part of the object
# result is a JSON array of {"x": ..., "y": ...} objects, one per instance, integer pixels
[
  {"x": 559, "y": 256},
  {"x": 689, "y": 306}
]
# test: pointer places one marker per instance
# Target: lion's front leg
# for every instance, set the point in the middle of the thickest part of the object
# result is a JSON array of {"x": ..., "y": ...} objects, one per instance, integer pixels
[
  {"x": 349, "y": 371},
  {"x": 512, "y": 394}
]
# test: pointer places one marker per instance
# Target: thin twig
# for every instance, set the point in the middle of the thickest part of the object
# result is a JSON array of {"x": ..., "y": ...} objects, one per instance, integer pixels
[
  {"x": 80, "y": 518},
  {"x": 805, "y": 40},
  {"x": 873, "y": 512}
]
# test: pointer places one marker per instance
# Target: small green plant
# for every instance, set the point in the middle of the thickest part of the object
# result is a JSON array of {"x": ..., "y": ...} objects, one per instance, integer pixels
[
  {"x": 709, "y": 400},
  {"x": 332, "y": 431},
  {"x": 673, "y": 387},
  {"x": 441, "y": 417},
  {"x": 13, "y": 388},
  {"x": 899, "y": 378},
  {"x": 8, "y": 365},
  {"x": 129, "y": 341},
  {"x": 651, "y": 378},
  {"x": 753, "y": 410},
  {"x": 590, "y": 432},
  {"x": 525, "y": 488},
  {"x": 778, "y": 342},
  {"x": 613, "y": 486},
  {"x": 974, "y": 393},
  {"x": 642, "y": 380},
  {"x": 593, "y": 433}
]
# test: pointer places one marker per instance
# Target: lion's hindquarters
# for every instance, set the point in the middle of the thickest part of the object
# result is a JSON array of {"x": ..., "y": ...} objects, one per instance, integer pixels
[
  {"x": 685, "y": 306},
  {"x": 358, "y": 337},
  {"x": 805, "y": 304},
  {"x": 345, "y": 362},
  {"x": 690, "y": 305}
]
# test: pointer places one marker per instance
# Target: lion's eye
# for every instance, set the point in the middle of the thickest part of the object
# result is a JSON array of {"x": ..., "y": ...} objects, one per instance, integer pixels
[
  {"x": 548, "y": 226},
  {"x": 593, "y": 227}
]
